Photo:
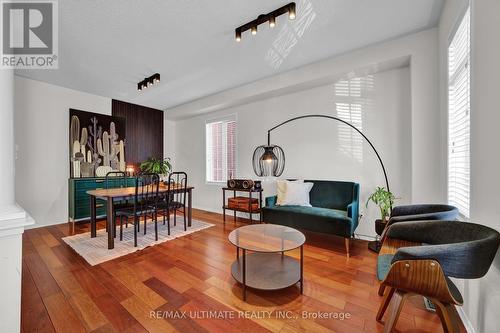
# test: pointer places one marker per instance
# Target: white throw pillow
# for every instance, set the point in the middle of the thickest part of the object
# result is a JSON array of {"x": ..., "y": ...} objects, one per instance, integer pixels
[
  {"x": 297, "y": 194},
  {"x": 281, "y": 189}
]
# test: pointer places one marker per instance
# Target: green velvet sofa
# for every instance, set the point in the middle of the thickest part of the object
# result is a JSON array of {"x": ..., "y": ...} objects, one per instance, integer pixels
[{"x": 335, "y": 210}]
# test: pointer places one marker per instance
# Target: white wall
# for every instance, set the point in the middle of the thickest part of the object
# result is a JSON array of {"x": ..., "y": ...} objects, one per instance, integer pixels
[
  {"x": 384, "y": 104},
  {"x": 169, "y": 139},
  {"x": 427, "y": 145},
  {"x": 481, "y": 296},
  {"x": 41, "y": 124}
]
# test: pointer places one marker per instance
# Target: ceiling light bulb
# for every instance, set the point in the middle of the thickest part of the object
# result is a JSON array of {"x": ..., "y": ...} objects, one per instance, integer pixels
[
  {"x": 254, "y": 30},
  {"x": 156, "y": 78},
  {"x": 272, "y": 22},
  {"x": 238, "y": 35},
  {"x": 291, "y": 11}
]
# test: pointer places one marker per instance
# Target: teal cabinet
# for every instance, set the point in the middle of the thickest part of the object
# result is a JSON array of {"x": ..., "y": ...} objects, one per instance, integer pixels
[{"x": 79, "y": 200}]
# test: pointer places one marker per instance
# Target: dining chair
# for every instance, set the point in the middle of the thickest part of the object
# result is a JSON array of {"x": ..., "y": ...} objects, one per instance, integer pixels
[
  {"x": 448, "y": 250},
  {"x": 174, "y": 198},
  {"x": 117, "y": 179},
  {"x": 144, "y": 204}
]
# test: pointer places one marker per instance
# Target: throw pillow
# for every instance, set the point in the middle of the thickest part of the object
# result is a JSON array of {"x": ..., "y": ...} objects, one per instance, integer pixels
[
  {"x": 281, "y": 189},
  {"x": 297, "y": 194}
]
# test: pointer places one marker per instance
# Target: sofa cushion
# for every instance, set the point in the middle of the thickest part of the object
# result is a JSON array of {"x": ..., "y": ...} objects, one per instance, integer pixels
[
  {"x": 316, "y": 211},
  {"x": 297, "y": 194},
  {"x": 384, "y": 263},
  {"x": 281, "y": 189},
  {"x": 316, "y": 219},
  {"x": 331, "y": 194}
]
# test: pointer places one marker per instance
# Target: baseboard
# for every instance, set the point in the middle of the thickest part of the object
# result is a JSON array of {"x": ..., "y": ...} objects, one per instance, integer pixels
[
  {"x": 469, "y": 328},
  {"x": 364, "y": 237}
]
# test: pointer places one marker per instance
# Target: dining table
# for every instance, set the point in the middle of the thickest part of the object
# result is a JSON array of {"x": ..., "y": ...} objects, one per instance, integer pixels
[{"x": 118, "y": 194}]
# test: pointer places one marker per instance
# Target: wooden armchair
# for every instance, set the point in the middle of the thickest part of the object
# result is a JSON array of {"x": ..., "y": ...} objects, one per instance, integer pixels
[{"x": 460, "y": 250}]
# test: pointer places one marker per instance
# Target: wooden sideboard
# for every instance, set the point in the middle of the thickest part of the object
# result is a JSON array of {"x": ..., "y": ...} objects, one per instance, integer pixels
[{"x": 79, "y": 200}]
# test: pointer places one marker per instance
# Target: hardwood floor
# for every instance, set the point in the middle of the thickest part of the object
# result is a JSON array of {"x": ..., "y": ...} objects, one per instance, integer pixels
[{"x": 191, "y": 276}]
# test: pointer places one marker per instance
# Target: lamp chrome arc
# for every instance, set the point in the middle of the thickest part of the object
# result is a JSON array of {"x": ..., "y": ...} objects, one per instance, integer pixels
[{"x": 279, "y": 166}]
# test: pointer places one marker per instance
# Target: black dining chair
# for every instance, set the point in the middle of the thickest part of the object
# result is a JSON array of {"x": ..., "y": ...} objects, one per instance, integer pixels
[
  {"x": 144, "y": 205},
  {"x": 174, "y": 198},
  {"x": 117, "y": 179}
]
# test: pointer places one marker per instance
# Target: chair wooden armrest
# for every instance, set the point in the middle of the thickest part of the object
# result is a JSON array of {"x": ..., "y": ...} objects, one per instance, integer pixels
[{"x": 391, "y": 245}]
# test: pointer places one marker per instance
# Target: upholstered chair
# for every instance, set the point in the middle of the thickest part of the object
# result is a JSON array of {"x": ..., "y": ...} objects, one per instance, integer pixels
[
  {"x": 419, "y": 212},
  {"x": 434, "y": 252},
  {"x": 422, "y": 212}
]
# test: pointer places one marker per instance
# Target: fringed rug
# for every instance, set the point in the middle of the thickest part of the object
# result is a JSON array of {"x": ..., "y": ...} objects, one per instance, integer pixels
[{"x": 95, "y": 250}]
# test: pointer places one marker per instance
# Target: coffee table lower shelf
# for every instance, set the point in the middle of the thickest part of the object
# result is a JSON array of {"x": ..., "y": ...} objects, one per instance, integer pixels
[{"x": 267, "y": 271}]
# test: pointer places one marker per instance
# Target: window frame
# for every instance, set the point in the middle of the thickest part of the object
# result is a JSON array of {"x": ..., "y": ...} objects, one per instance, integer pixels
[
  {"x": 453, "y": 32},
  {"x": 226, "y": 118}
]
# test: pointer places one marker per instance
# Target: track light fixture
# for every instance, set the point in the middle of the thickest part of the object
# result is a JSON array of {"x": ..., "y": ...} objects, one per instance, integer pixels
[
  {"x": 263, "y": 18},
  {"x": 272, "y": 22},
  {"x": 148, "y": 82}
]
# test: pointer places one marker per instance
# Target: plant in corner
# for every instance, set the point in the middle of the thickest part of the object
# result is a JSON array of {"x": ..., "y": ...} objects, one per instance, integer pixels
[
  {"x": 384, "y": 200},
  {"x": 155, "y": 165}
]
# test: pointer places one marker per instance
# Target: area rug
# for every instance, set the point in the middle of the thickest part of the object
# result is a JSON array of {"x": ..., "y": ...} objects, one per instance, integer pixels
[{"x": 95, "y": 250}]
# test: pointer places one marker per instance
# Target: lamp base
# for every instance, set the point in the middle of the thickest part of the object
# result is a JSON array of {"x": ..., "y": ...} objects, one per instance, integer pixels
[{"x": 375, "y": 246}]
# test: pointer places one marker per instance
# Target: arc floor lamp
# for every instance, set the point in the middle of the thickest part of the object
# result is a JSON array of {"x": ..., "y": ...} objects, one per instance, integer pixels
[{"x": 269, "y": 160}]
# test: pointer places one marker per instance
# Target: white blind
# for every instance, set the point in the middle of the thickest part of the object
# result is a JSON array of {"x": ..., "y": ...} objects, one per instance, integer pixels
[
  {"x": 220, "y": 150},
  {"x": 459, "y": 117}
]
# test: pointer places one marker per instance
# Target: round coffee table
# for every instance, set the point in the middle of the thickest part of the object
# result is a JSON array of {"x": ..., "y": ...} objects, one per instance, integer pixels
[{"x": 267, "y": 267}]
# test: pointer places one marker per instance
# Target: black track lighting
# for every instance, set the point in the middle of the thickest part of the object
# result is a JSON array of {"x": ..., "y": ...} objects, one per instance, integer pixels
[
  {"x": 148, "y": 82},
  {"x": 289, "y": 9}
]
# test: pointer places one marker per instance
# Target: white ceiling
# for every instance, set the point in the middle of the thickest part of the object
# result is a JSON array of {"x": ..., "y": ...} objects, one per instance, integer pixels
[{"x": 106, "y": 47}]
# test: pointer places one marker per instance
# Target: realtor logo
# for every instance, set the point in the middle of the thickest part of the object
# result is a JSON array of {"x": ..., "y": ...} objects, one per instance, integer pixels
[{"x": 29, "y": 34}]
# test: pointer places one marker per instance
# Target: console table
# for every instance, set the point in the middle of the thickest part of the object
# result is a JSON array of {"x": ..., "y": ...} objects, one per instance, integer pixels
[{"x": 248, "y": 210}]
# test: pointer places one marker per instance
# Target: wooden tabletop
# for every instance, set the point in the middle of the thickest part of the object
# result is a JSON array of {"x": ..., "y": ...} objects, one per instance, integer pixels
[{"x": 126, "y": 191}]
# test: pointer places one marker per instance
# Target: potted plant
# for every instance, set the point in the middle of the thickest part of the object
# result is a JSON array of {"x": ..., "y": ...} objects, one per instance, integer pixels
[
  {"x": 384, "y": 200},
  {"x": 155, "y": 165}
]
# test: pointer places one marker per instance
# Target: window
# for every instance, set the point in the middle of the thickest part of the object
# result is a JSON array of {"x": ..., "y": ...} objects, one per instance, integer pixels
[
  {"x": 220, "y": 150},
  {"x": 459, "y": 117},
  {"x": 351, "y": 98}
]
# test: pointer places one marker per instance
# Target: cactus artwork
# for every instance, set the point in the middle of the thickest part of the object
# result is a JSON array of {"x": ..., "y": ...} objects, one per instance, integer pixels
[
  {"x": 121, "y": 153},
  {"x": 94, "y": 133},
  {"x": 76, "y": 162},
  {"x": 92, "y": 147},
  {"x": 78, "y": 146}
]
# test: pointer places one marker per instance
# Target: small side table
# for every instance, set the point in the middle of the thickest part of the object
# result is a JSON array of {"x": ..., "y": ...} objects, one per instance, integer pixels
[{"x": 248, "y": 210}]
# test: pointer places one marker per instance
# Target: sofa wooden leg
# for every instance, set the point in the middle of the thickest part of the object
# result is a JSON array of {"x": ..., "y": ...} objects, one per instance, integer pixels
[
  {"x": 448, "y": 316},
  {"x": 381, "y": 290},
  {"x": 385, "y": 303},
  {"x": 347, "y": 244},
  {"x": 396, "y": 306}
]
